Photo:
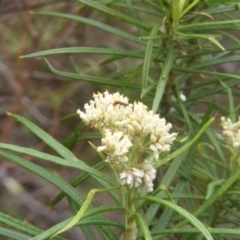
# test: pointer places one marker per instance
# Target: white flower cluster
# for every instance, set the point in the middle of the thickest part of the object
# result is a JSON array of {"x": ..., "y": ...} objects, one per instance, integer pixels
[
  {"x": 142, "y": 177},
  {"x": 231, "y": 131},
  {"x": 116, "y": 146},
  {"x": 126, "y": 127}
]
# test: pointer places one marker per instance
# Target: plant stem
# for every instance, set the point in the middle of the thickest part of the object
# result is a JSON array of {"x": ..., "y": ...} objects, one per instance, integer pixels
[{"x": 130, "y": 223}]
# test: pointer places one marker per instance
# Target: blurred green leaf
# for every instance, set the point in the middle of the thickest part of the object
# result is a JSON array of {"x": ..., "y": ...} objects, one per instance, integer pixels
[
  {"x": 13, "y": 234},
  {"x": 96, "y": 80},
  {"x": 115, "y": 14},
  {"x": 49, "y": 140},
  {"x": 45, "y": 174},
  {"x": 210, "y": 38},
  {"x": 98, "y": 176},
  {"x": 91, "y": 22},
  {"x": 218, "y": 231}
]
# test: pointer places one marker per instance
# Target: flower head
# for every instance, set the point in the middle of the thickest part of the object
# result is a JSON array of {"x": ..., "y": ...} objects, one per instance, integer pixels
[
  {"x": 231, "y": 131},
  {"x": 127, "y": 130},
  {"x": 139, "y": 178},
  {"x": 132, "y": 177},
  {"x": 149, "y": 175},
  {"x": 96, "y": 110},
  {"x": 116, "y": 146}
]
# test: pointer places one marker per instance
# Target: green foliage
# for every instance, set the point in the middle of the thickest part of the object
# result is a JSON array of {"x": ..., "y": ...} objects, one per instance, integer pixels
[{"x": 173, "y": 48}]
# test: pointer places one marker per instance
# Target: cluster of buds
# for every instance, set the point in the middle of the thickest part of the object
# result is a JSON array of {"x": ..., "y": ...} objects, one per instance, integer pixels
[
  {"x": 127, "y": 131},
  {"x": 231, "y": 132}
]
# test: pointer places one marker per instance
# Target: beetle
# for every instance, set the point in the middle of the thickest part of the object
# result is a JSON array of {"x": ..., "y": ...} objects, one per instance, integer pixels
[{"x": 120, "y": 103}]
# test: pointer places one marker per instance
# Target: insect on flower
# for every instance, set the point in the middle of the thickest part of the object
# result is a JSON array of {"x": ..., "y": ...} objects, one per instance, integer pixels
[{"x": 120, "y": 103}]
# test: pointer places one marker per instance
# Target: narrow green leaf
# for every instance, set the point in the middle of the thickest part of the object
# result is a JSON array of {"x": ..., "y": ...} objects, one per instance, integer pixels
[
  {"x": 163, "y": 78},
  {"x": 48, "y": 233},
  {"x": 191, "y": 218},
  {"x": 95, "y": 221},
  {"x": 71, "y": 141},
  {"x": 77, "y": 70},
  {"x": 154, "y": 10},
  {"x": 230, "y": 101},
  {"x": 132, "y": 75},
  {"x": 219, "y": 9},
  {"x": 86, "y": 50},
  {"x": 184, "y": 111},
  {"x": 154, "y": 37},
  {"x": 206, "y": 50},
  {"x": 148, "y": 89},
  {"x": 209, "y": 63},
  {"x": 101, "y": 209},
  {"x": 212, "y": 91},
  {"x": 147, "y": 58},
  {"x": 126, "y": 71},
  {"x": 177, "y": 7},
  {"x": 217, "y": 74},
  {"x": 187, "y": 196},
  {"x": 207, "y": 24},
  {"x": 143, "y": 227},
  {"x": 189, "y": 6},
  {"x": 217, "y": 28},
  {"x": 165, "y": 10},
  {"x": 89, "y": 136},
  {"x": 88, "y": 232}
]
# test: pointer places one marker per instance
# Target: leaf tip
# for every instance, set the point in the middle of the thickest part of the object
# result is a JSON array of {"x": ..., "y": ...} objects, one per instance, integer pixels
[
  {"x": 46, "y": 61},
  {"x": 215, "y": 115}
]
